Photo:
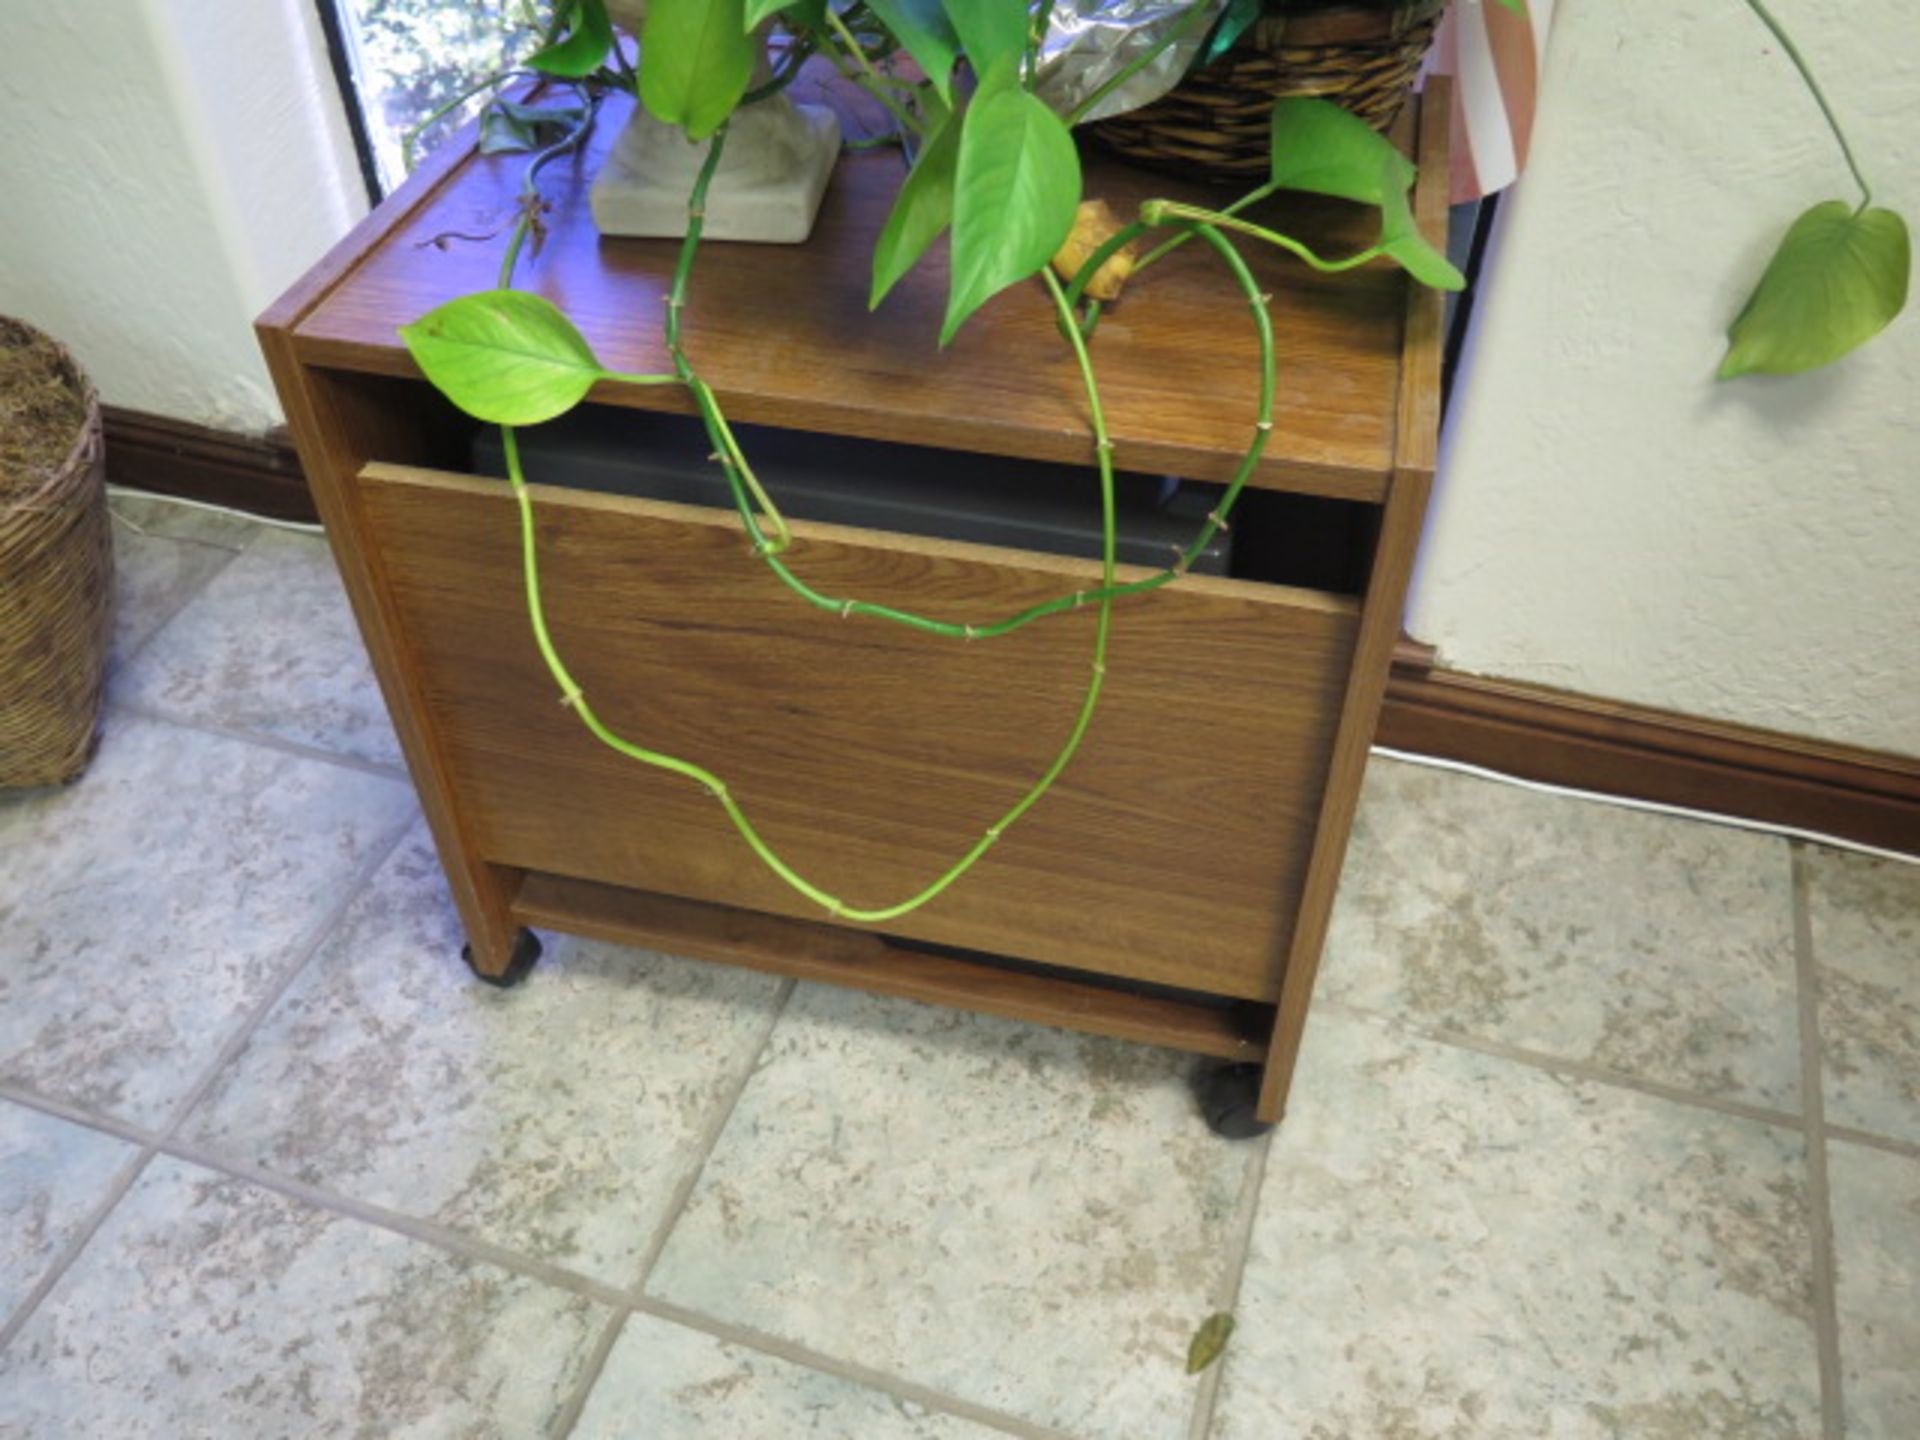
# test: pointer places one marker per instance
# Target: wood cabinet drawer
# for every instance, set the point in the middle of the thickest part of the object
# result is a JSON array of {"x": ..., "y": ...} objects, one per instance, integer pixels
[{"x": 871, "y": 756}]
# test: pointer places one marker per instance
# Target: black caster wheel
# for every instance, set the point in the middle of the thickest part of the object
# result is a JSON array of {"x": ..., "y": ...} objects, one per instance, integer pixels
[
  {"x": 1228, "y": 1095},
  {"x": 526, "y": 953}
]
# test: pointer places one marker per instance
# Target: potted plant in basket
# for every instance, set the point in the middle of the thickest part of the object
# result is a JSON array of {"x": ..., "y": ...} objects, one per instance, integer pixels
[{"x": 996, "y": 168}]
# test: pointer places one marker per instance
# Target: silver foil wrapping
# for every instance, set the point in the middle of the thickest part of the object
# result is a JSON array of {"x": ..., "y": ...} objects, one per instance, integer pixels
[{"x": 1090, "y": 41}]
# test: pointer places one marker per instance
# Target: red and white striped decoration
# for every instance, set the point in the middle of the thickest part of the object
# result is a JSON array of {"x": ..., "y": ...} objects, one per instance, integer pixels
[{"x": 1495, "y": 57}]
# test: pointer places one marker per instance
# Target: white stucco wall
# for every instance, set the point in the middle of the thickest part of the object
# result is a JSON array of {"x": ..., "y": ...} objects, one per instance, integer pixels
[
  {"x": 1611, "y": 520},
  {"x": 168, "y": 167}
]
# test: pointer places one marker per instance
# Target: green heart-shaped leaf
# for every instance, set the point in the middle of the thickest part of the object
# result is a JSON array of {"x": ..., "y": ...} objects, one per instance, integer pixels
[
  {"x": 1016, "y": 190},
  {"x": 923, "y": 30},
  {"x": 989, "y": 30},
  {"x": 1320, "y": 148},
  {"x": 504, "y": 356},
  {"x": 580, "y": 52},
  {"x": 922, "y": 210},
  {"x": 1400, "y": 238},
  {"x": 695, "y": 60},
  {"x": 1837, "y": 280}
]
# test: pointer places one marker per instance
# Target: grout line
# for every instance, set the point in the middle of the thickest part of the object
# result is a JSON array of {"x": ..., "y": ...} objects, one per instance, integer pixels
[
  {"x": 122, "y": 1183},
  {"x": 66, "y": 1110},
  {"x": 709, "y": 1140},
  {"x": 466, "y": 1247},
  {"x": 1226, "y": 1297},
  {"x": 1572, "y": 1069},
  {"x": 1888, "y": 1143},
  {"x": 193, "y": 592},
  {"x": 1826, "y": 1319},
  {"x": 154, "y": 1143},
  {"x": 469, "y": 1247},
  {"x": 304, "y": 952},
  {"x": 576, "y": 1405},
  {"x": 891, "y": 1385},
  {"x": 265, "y": 741}
]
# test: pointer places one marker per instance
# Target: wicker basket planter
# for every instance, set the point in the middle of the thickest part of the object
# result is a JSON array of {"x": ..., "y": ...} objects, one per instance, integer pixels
[
  {"x": 1215, "y": 122},
  {"x": 56, "y": 582}
]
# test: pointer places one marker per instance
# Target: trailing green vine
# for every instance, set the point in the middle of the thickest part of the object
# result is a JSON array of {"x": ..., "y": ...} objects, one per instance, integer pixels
[{"x": 1000, "y": 171}]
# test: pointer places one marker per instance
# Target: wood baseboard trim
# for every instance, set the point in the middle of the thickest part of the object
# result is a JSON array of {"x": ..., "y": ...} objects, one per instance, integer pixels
[
  {"x": 1866, "y": 796},
  {"x": 1530, "y": 731},
  {"x": 256, "y": 473}
]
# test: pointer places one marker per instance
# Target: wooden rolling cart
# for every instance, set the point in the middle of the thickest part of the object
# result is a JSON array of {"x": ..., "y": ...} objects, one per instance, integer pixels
[{"x": 1175, "y": 886}]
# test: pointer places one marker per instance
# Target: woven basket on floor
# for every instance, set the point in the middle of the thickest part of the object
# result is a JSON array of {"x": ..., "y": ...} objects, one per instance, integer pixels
[
  {"x": 56, "y": 582},
  {"x": 1215, "y": 122}
]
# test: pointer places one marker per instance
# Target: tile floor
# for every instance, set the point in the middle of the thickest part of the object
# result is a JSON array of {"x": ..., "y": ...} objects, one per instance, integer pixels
[{"x": 1609, "y": 1125}]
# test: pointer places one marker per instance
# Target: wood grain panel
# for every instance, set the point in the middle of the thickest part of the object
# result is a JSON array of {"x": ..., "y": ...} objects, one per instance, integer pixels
[
  {"x": 871, "y": 756},
  {"x": 785, "y": 337},
  {"x": 865, "y": 961},
  {"x": 1415, "y": 446}
]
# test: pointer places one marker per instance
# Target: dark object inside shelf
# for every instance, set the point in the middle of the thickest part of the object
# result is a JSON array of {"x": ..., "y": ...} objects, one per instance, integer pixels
[{"x": 946, "y": 494}]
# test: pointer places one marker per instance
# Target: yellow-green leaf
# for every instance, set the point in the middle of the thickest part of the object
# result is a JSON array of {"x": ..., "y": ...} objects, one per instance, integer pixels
[
  {"x": 695, "y": 60},
  {"x": 1016, "y": 189},
  {"x": 1837, "y": 280},
  {"x": 1208, "y": 1341},
  {"x": 1319, "y": 147},
  {"x": 504, "y": 356},
  {"x": 921, "y": 211},
  {"x": 1400, "y": 237}
]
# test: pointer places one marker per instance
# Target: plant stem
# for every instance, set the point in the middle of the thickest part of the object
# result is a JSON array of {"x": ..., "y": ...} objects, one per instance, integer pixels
[
  {"x": 784, "y": 74},
  {"x": 745, "y": 485},
  {"x": 1252, "y": 197},
  {"x": 530, "y": 188},
  {"x": 1157, "y": 212},
  {"x": 575, "y": 698},
  {"x": 866, "y": 77},
  {"x": 726, "y": 449},
  {"x": 1215, "y": 522},
  {"x": 1125, "y": 236},
  {"x": 1813, "y": 85}
]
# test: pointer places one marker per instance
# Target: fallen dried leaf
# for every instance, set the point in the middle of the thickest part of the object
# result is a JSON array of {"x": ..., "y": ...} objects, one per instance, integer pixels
[
  {"x": 1208, "y": 1341},
  {"x": 1093, "y": 225}
]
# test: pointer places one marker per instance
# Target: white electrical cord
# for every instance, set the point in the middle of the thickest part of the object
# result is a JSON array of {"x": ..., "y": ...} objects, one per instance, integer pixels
[
  {"x": 1459, "y": 767},
  {"x": 114, "y": 492},
  {"x": 1652, "y": 807}
]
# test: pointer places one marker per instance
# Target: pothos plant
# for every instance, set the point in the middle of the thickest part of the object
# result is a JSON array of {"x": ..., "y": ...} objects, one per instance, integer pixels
[{"x": 998, "y": 171}]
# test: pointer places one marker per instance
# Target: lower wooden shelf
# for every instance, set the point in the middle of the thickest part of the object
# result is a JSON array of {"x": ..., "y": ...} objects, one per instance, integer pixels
[{"x": 867, "y": 961}]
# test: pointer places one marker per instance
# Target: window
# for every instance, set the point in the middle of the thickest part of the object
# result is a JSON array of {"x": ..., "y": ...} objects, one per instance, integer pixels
[{"x": 400, "y": 61}]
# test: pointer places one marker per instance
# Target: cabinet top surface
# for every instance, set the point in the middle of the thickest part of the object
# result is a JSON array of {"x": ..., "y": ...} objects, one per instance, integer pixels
[{"x": 784, "y": 336}]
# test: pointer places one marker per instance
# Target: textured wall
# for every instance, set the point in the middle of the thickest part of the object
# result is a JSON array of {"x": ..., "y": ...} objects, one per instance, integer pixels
[
  {"x": 169, "y": 165},
  {"x": 1612, "y": 521}
]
